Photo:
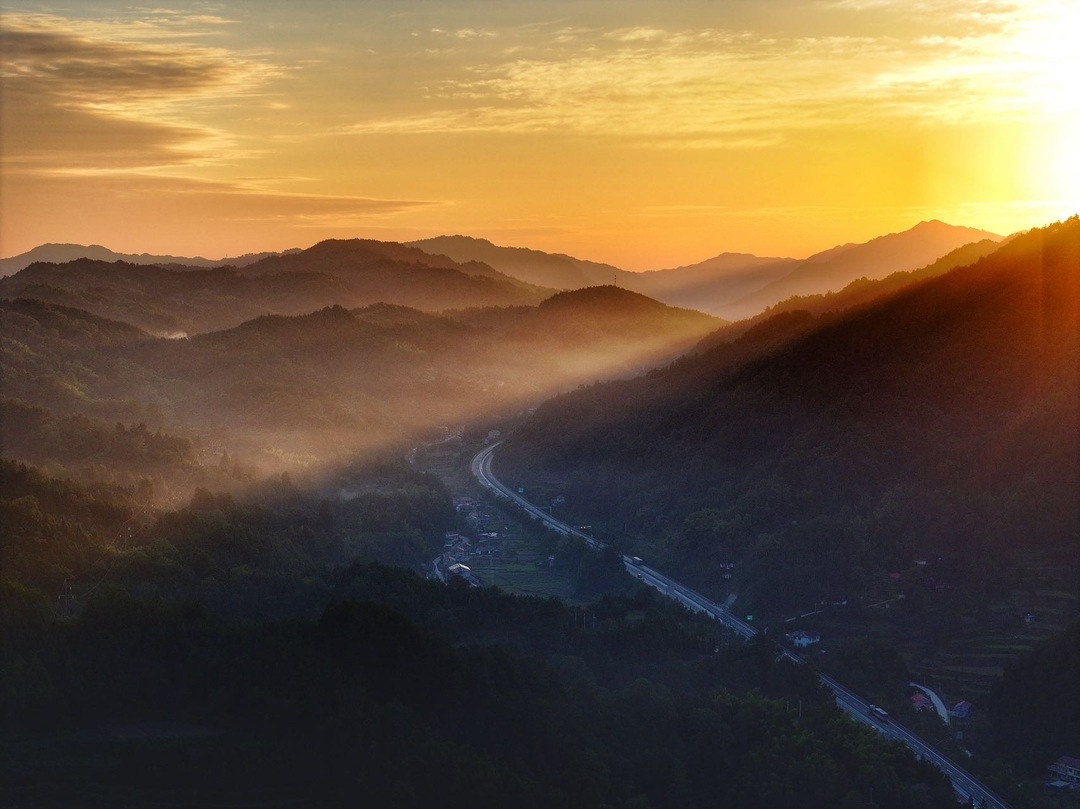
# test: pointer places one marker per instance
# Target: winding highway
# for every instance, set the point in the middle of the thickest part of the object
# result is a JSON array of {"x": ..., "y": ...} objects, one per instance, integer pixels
[{"x": 967, "y": 786}]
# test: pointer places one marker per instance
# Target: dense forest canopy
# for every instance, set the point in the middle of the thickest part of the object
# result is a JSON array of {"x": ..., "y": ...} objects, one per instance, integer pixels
[
  {"x": 823, "y": 454},
  {"x": 170, "y": 300},
  {"x": 309, "y": 385}
]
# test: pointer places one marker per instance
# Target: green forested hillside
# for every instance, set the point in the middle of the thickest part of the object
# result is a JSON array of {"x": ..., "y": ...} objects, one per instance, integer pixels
[
  {"x": 939, "y": 421},
  {"x": 266, "y": 552},
  {"x": 325, "y": 382}
]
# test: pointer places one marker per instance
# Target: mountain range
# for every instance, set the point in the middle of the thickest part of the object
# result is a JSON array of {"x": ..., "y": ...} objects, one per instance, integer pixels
[
  {"x": 174, "y": 300},
  {"x": 832, "y": 270},
  {"x": 555, "y": 270},
  {"x": 894, "y": 463},
  {"x": 731, "y": 285},
  {"x": 821, "y": 453},
  {"x": 333, "y": 379},
  {"x": 61, "y": 253},
  {"x": 734, "y": 286}
]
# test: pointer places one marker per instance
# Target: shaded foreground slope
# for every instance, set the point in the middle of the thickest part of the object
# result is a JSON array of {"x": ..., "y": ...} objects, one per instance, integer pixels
[
  {"x": 150, "y": 702},
  {"x": 940, "y": 420}
]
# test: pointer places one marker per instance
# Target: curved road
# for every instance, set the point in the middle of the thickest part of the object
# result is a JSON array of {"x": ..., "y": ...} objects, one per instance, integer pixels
[
  {"x": 481, "y": 469},
  {"x": 966, "y": 785}
]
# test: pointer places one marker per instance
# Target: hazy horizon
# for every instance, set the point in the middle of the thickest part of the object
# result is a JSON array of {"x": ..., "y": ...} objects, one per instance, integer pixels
[
  {"x": 255, "y": 250},
  {"x": 639, "y": 135}
]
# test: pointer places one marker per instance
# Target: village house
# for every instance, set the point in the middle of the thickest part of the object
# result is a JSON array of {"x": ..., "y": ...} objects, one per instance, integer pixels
[
  {"x": 961, "y": 711},
  {"x": 802, "y": 638},
  {"x": 1067, "y": 769},
  {"x": 921, "y": 702},
  {"x": 463, "y": 572}
]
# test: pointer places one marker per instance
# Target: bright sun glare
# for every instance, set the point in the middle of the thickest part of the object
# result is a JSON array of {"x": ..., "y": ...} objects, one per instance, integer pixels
[{"x": 1048, "y": 47}]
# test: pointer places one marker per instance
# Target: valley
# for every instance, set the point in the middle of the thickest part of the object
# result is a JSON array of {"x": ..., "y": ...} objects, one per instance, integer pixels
[
  {"x": 583, "y": 405},
  {"x": 856, "y": 459}
]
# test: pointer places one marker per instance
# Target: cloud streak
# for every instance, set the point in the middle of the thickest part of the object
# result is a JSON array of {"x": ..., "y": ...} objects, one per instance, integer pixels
[
  {"x": 115, "y": 97},
  {"x": 731, "y": 89}
]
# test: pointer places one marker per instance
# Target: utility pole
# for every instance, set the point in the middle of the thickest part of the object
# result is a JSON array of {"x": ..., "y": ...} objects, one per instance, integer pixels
[{"x": 66, "y": 600}]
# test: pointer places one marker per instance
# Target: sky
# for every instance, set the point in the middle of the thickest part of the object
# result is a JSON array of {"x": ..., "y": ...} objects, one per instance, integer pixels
[{"x": 643, "y": 134}]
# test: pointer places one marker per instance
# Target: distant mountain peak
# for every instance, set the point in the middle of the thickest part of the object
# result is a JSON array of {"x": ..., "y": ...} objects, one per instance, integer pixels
[
  {"x": 64, "y": 252},
  {"x": 606, "y": 294},
  {"x": 833, "y": 269}
]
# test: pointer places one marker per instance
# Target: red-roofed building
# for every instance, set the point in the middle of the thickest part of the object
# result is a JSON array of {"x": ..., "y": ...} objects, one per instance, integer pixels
[{"x": 921, "y": 702}]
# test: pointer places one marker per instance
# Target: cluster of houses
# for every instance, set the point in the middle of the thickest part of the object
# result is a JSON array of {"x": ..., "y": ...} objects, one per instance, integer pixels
[
  {"x": 959, "y": 713},
  {"x": 1064, "y": 773},
  {"x": 459, "y": 550}
]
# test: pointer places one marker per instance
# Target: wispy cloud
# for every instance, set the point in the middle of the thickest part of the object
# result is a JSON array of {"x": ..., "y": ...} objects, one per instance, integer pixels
[
  {"x": 736, "y": 89},
  {"x": 117, "y": 96},
  {"x": 243, "y": 200}
]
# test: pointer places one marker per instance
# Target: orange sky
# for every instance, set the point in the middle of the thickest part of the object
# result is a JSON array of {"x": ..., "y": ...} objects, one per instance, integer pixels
[{"x": 644, "y": 134}]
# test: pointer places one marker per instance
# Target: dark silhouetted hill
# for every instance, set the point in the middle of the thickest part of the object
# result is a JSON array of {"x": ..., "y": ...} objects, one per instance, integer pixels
[
  {"x": 167, "y": 301},
  {"x": 63, "y": 253},
  {"x": 173, "y": 301},
  {"x": 939, "y": 420},
  {"x": 553, "y": 270},
  {"x": 581, "y": 331},
  {"x": 369, "y": 256}
]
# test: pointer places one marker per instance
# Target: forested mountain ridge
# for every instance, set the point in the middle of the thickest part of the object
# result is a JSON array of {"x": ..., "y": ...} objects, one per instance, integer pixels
[
  {"x": 172, "y": 300},
  {"x": 62, "y": 253},
  {"x": 328, "y": 380},
  {"x": 74, "y": 362},
  {"x": 555, "y": 270},
  {"x": 940, "y": 419},
  {"x": 730, "y": 285},
  {"x": 372, "y": 263},
  {"x": 589, "y": 310},
  {"x": 237, "y": 629},
  {"x": 433, "y": 274}
]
